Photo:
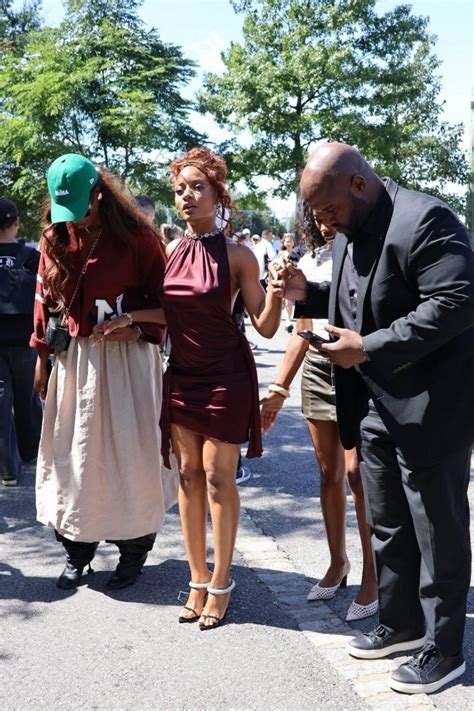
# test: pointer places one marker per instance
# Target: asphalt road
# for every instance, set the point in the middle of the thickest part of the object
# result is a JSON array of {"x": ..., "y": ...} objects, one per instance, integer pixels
[{"x": 93, "y": 649}]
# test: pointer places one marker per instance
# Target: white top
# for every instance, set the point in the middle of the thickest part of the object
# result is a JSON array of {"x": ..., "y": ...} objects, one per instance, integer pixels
[
  {"x": 261, "y": 249},
  {"x": 318, "y": 268}
]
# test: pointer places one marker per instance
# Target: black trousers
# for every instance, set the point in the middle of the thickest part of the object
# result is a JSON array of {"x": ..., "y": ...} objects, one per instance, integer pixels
[
  {"x": 420, "y": 524},
  {"x": 20, "y": 408},
  {"x": 133, "y": 552}
]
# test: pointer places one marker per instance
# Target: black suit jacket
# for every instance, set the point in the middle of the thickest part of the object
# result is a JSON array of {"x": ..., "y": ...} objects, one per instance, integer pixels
[{"x": 415, "y": 309}]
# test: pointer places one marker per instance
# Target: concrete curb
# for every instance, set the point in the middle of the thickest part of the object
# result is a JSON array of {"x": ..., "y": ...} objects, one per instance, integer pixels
[{"x": 321, "y": 627}]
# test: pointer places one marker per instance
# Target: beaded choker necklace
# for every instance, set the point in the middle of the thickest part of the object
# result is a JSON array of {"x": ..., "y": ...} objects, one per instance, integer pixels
[{"x": 205, "y": 235}]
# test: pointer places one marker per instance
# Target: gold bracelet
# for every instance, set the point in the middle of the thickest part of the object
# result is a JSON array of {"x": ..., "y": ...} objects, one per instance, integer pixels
[
  {"x": 275, "y": 388},
  {"x": 130, "y": 318}
]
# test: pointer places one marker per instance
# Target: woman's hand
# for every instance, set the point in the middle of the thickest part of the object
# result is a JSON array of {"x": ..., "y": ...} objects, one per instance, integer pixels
[
  {"x": 115, "y": 324},
  {"x": 41, "y": 377},
  {"x": 271, "y": 406},
  {"x": 117, "y": 333},
  {"x": 288, "y": 282}
]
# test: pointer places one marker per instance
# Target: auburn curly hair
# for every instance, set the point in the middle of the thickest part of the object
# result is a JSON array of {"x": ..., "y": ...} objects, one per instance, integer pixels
[{"x": 215, "y": 170}]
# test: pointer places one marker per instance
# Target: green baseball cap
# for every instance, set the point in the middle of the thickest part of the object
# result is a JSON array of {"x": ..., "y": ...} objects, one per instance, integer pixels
[{"x": 70, "y": 180}]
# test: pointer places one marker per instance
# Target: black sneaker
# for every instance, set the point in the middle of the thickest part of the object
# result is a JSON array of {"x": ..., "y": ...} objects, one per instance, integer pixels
[
  {"x": 9, "y": 480},
  {"x": 427, "y": 672},
  {"x": 382, "y": 641}
]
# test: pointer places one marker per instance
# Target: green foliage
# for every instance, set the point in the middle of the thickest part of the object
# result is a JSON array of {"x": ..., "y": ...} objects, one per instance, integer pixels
[
  {"x": 102, "y": 85},
  {"x": 256, "y": 221},
  {"x": 15, "y": 24},
  {"x": 309, "y": 70}
]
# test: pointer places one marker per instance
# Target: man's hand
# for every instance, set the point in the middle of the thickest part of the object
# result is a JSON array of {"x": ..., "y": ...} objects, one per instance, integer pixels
[
  {"x": 347, "y": 351},
  {"x": 288, "y": 282}
]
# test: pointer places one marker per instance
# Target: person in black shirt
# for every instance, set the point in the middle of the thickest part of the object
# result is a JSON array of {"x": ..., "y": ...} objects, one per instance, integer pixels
[{"x": 20, "y": 408}]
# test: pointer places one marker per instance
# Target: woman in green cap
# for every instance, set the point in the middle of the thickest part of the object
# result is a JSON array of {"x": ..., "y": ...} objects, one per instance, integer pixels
[{"x": 99, "y": 473}]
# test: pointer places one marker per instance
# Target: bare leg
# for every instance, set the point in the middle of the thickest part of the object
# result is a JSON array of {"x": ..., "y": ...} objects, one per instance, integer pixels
[
  {"x": 330, "y": 454},
  {"x": 220, "y": 461},
  {"x": 192, "y": 499},
  {"x": 368, "y": 587}
]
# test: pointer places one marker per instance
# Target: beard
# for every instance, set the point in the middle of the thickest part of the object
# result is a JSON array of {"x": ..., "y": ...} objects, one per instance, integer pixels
[{"x": 359, "y": 211}]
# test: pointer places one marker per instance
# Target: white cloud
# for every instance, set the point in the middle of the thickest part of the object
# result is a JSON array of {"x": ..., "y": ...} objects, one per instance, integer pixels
[{"x": 207, "y": 52}]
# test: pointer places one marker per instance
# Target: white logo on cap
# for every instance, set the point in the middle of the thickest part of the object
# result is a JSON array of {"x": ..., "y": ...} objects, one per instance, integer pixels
[
  {"x": 91, "y": 180},
  {"x": 60, "y": 193}
]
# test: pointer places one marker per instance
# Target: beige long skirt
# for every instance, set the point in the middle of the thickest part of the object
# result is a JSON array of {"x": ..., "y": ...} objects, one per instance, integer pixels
[{"x": 100, "y": 474}]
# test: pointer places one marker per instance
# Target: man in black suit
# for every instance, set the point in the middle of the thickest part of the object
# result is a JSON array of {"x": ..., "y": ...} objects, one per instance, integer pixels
[{"x": 402, "y": 309}]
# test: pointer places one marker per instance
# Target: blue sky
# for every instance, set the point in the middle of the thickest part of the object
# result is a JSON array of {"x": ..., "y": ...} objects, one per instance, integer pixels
[{"x": 204, "y": 28}]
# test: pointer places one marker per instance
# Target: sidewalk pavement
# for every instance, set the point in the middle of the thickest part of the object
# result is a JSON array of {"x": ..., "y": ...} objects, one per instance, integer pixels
[{"x": 94, "y": 649}]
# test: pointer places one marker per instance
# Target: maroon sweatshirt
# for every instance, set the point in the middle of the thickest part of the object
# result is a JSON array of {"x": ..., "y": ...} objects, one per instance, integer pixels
[{"x": 117, "y": 279}]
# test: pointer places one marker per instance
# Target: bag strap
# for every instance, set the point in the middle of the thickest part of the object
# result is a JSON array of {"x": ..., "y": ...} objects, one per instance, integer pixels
[{"x": 83, "y": 271}]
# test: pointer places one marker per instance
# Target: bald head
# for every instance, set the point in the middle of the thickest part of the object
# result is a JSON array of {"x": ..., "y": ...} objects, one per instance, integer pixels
[
  {"x": 330, "y": 161},
  {"x": 340, "y": 186}
]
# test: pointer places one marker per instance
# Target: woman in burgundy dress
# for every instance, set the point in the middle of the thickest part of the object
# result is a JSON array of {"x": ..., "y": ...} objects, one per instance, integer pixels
[{"x": 210, "y": 403}]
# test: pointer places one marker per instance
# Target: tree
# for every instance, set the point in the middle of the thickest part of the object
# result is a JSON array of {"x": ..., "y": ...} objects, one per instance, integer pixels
[
  {"x": 15, "y": 24},
  {"x": 309, "y": 70},
  {"x": 252, "y": 212},
  {"x": 102, "y": 85}
]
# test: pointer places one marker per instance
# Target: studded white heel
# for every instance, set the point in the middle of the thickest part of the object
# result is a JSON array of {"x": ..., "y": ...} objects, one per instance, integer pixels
[
  {"x": 359, "y": 612},
  {"x": 319, "y": 593}
]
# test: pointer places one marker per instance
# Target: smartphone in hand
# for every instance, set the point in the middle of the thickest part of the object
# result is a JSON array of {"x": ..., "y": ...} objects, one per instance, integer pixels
[{"x": 313, "y": 338}]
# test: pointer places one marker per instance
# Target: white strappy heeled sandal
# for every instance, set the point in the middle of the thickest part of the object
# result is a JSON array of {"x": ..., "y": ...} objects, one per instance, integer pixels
[
  {"x": 218, "y": 620},
  {"x": 193, "y": 586}
]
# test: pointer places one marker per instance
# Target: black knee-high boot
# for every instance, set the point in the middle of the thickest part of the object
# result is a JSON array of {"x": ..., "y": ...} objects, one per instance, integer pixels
[
  {"x": 133, "y": 554},
  {"x": 78, "y": 555}
]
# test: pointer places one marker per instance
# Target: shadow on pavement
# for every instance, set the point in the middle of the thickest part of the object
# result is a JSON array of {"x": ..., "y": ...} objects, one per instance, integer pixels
[
  {"x": 16, "y": 587},
  {"x": 251, "y": 602}
]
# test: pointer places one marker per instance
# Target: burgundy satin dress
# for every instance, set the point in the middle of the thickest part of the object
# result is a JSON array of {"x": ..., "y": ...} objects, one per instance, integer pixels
[{"x": 210, "y": 386}]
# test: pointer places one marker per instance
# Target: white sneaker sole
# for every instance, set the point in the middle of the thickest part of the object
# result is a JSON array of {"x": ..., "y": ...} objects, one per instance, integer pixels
[
  {"x": 427, "y": 688},
  {"x": 386, "y": 651}
]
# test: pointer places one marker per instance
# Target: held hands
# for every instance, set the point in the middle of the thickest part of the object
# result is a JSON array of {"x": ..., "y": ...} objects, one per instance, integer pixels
[
  {"x": 116, "y": 330},
  {"x": 347, "y": 351},
  {"x": 287, "y": 281},
  {"x": 271, "y": 406}
]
